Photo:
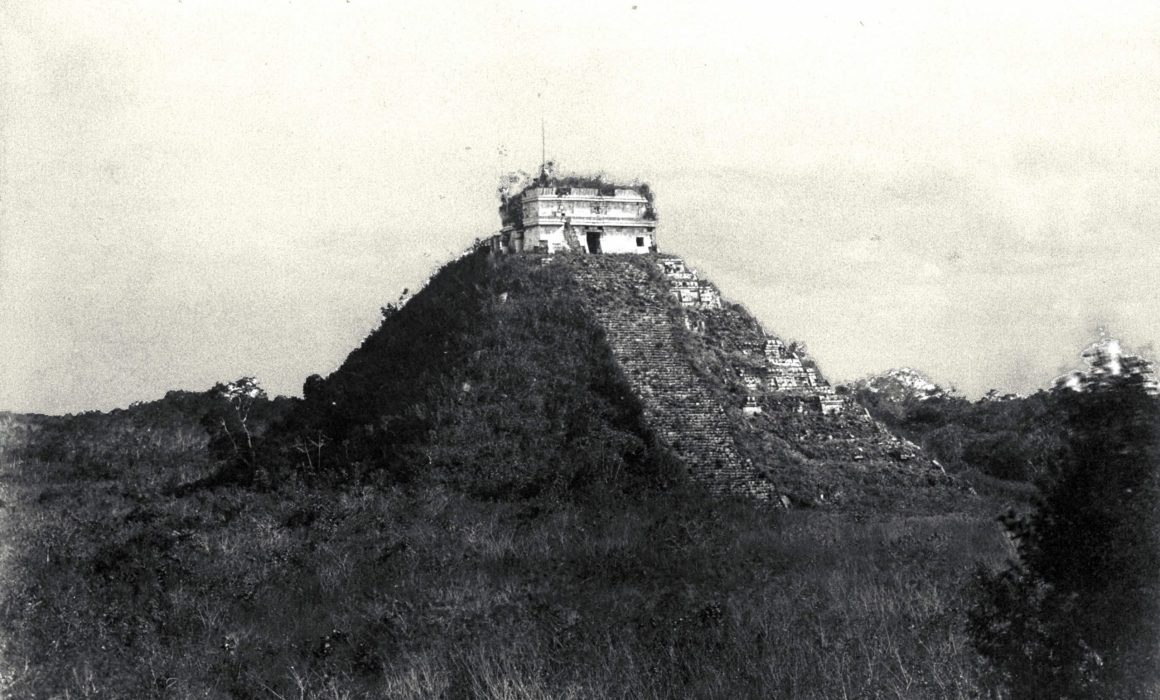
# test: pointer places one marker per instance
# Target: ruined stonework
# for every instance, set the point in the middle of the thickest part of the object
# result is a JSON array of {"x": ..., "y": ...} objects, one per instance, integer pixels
[
  {"x": 786, "y": 371},
  {"x": 743, "y": 412},
  {"x": 687, "y": 288},
  {"x": 688, "y": 418}
]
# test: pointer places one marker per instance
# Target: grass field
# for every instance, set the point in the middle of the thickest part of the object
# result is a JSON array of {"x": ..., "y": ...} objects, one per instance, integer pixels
[{"x": 112, "y": 588}]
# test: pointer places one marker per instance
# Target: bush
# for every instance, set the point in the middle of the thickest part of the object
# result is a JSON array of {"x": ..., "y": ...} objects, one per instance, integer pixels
[
  {"x": 999, "y": 455},
  {"x": 1075, "y": 616},
  {"x": 1014, "y": 439}
]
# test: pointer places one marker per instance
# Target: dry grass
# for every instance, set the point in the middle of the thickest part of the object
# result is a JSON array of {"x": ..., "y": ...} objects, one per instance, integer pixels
[{"x": 366, "y": 592}]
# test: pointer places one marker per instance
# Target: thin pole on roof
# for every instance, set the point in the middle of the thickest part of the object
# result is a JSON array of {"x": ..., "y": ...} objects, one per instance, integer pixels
[{"x": 543, "y": 142}]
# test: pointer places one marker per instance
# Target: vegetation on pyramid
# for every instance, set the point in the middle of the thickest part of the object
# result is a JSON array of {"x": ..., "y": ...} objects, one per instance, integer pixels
[
  {"x": 524, "y": 374},
  {"x": 492, "y": 378}
]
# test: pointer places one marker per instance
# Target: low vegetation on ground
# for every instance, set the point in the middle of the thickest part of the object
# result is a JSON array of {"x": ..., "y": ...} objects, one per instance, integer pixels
[{"x": 115, "y": 586}]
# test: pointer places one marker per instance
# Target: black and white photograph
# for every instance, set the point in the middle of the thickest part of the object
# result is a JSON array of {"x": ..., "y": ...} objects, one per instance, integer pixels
[{"x": 541, "y": 349}]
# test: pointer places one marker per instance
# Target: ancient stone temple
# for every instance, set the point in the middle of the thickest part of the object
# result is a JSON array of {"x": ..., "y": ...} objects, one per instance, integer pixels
[
  {"x": 727, "y": 398},
  {"x": 585, "y": 215},
  {"x": 553, "y": 214}
]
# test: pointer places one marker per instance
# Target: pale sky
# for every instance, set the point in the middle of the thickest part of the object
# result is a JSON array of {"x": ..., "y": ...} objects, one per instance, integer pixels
[{"x": 195, "y": 191}]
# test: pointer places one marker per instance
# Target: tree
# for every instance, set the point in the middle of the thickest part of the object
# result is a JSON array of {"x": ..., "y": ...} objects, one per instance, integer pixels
[
  {"x": 231, "y": 432},
  {"x": 1076, "y": 616}
]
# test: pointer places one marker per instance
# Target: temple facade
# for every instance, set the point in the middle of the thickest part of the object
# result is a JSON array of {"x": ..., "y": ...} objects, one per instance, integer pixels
[{"x": 551, "y": 219}]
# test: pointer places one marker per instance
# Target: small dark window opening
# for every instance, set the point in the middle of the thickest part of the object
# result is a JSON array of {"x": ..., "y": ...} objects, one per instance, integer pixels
[
  {"x": 640, "y": 241},
  {"x": 561, "y": 191}
]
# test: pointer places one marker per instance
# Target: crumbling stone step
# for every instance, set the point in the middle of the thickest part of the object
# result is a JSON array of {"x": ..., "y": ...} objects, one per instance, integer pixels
[{"x": 640, "y": 331}]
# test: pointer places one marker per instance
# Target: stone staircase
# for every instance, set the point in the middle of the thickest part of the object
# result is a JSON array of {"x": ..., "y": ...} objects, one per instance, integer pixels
[{"x": 636, "y": 314}]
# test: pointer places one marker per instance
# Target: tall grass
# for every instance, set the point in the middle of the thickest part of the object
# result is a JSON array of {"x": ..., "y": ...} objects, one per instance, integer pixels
[{"x": 111, "y": 591}]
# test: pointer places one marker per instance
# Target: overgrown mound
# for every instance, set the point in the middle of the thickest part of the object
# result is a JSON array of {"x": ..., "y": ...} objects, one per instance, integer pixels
[
  {"x": 491, "y": 379},
  {"x": 524, "y": 375}
]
